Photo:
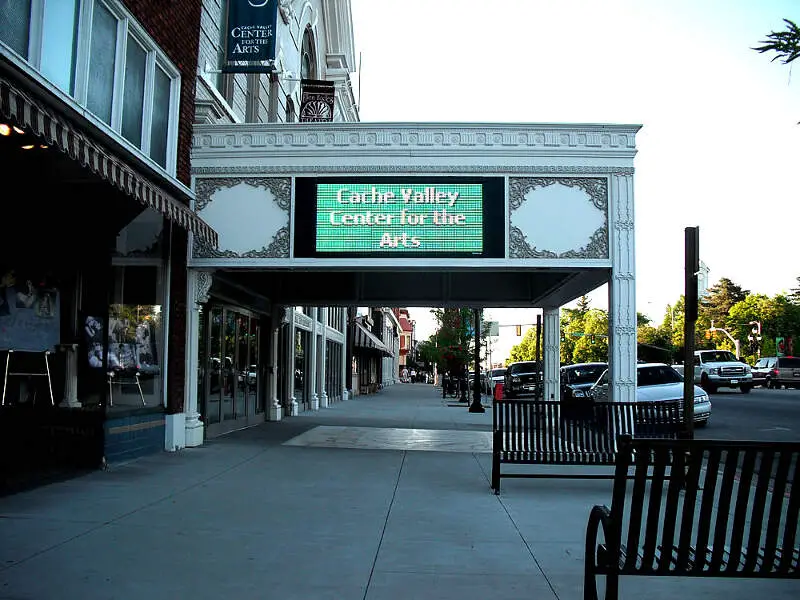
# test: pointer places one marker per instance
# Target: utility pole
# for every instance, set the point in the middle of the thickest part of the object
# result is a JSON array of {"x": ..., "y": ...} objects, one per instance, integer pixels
[{"x": 691, "y": 268}]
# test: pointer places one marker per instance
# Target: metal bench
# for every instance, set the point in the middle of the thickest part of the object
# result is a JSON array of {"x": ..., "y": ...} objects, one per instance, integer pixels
[
  {"x": 546, "y": 432},
  {"x": 709, "y": 509}
]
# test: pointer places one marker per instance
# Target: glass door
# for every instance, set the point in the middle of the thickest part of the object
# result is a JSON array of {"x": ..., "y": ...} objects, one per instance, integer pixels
[
  {"x": 228, "y": 364},
  {"x": 255, "y": 393},
  {"x": 213, "y": 410},
  {"x": 242, "y": 365}
]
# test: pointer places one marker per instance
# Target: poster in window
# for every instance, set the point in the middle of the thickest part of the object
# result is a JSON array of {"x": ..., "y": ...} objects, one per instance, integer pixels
[
  {"x": 29, "y": 312},
  {"x": 93, "y": 337}
]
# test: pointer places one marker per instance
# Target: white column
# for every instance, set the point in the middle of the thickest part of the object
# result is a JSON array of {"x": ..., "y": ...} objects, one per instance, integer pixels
[
  {"x": 311, "y": 376},
  {"x": 346, "y": 368},
  {"x": 71, "y": 377},
  {"x": 323, "y": 367},
  {"x": 552, "y": 353},
  {"x": 622, "y": 291},
  {"x": 275, "y": 409},
  {"x": 199, "y": 284},
  {"x": 292, "y": 407}
]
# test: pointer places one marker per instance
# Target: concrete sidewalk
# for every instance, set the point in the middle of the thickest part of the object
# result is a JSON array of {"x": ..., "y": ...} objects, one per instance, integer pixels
[{"x": 342, "y": 511}]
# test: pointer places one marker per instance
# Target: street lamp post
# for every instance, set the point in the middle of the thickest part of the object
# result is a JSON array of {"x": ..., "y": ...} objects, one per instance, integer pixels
[{"x": 476, "y": 406}]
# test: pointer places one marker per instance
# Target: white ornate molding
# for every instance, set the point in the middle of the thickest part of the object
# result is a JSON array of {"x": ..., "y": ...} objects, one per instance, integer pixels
[
  {"x": 468, "y": 137},
  {"x": 281, "y": 193},
  {"x": 303, "y": 321},
  {"x": 203, "y": 282},
  {"x": 596, "y": 190},
  {"x": 300, "y": 169},
  {"x": 287, "y": 11},
  {"x": 334, "y": 335}
]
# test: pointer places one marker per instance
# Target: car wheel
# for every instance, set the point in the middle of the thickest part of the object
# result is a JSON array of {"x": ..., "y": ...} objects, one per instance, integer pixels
[
  {"x": 746, "y": 389},
  {"x": 769, "y": 384}
]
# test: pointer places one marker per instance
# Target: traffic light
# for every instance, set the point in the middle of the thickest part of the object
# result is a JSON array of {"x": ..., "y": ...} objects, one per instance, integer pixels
[
  {"x": 591, "y": 338},
  {"x": 563, "y": 336},
  {"x": 708, "y": 335},
  {"x": 519, "y": 329}
]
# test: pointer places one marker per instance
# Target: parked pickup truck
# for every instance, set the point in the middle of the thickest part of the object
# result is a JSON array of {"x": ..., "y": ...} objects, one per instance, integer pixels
[{"x": 719, "y": 368}]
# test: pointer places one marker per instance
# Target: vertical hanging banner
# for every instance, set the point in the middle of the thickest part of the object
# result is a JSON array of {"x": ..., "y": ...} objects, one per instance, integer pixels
[
  {"x": 316, "y": 101},
  {"x": 250, "y": 35}
]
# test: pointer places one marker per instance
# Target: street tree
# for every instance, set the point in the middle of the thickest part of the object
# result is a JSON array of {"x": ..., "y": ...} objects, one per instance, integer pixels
[
  {"x": 717, "y": 302},
  {"x": 454, "y": 338},
  {"x": 526, "y": 349},
  {"x": 593, "y": 345},
  {"x": 785, "y": 44},
  {"x": 794, "y": 295}
]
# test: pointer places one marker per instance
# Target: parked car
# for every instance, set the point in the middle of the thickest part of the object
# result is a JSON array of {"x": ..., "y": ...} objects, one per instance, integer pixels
[
  {"x": 658, "y": 382},
  {"x": 577, "y": 379},
  {"x": 494, "y": 377},
  {"x": 763, "y": 371},
  {"x": 775, "y": 372},
  {"x": 521, "y": 378}
]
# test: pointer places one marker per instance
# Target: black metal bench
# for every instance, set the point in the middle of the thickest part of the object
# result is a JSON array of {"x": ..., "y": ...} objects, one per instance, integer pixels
[
  {"x": 728, "y": 510},
  {"x": 546, "y": 432}
]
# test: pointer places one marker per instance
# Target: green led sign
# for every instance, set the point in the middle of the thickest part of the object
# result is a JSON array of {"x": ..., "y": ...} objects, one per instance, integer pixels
[{"x": 381, "y": 218}]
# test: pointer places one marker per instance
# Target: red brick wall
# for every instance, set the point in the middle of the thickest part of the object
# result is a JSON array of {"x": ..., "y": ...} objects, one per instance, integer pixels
[{"x": 175, "y": 26}]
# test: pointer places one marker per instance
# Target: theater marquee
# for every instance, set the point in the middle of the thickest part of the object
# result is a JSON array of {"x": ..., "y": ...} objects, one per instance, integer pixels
[{"x": 418, "y": 216}]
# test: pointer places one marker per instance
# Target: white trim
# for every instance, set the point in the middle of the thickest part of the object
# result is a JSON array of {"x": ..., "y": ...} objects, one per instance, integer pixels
[
  {"x": 126, "y": 24},
  {"x": 166, "y": 230},
  {"x": 212, "y": 89}
]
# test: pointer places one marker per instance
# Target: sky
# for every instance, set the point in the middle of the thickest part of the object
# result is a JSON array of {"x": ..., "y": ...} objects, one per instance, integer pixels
[{"x": 720, "y": 141}]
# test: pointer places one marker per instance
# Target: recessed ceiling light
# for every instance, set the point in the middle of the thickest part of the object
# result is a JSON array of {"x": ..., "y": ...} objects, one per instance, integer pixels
[
  {"x": 29, "y": 147},
  {"x": 5, "y": 129},
  {"x": 43, "y": 146},
  {"x": 18, "y": 130}
]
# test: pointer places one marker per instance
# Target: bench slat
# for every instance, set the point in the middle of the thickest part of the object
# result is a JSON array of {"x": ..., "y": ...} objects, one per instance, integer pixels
[
  {"x": 637, "y": 502},
  {"x": 707, "y": 503},
  {"x": 654, "y": 511},
  {"x": 758, "y": 509},
  {"x": 671, "y": 512},
  {"x": 792, "y": 514},
  {"x": 723, "y": 510},
  {"x": 776, "y": 506},
  {"x": 740, "y": 511},
  {"x": 691, "y": 484}
]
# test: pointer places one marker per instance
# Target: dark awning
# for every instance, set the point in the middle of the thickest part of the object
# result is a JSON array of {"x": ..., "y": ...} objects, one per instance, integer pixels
[
  {"x": 57, "y": 130},
  {"x": 365, "y": 340}
]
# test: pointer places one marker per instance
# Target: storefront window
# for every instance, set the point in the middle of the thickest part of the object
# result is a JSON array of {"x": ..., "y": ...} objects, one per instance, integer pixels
[
  {"x": 14, "y": 24},
  {"x": 214, "y": 367},
  {"x": 255, "y": 395},
  {"x": 59, "y": 43},
  {"x": 159, "y": 128},
  {"x": 300, "y": 365},
  {"x": 102, "y": 62},
  {"x": 228, "y": 368},
  {"x": 133, "y": 102},
  {"x": 135, "y": 338}
]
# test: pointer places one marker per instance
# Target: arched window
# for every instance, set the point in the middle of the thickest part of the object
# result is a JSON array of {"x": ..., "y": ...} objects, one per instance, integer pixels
[
  {"x": 308, "y": 62},
  {"x": 291, "y": 115}
]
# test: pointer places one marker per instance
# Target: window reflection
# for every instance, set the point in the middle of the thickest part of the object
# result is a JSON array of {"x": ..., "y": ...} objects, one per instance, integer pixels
[
  {"x": 135, "y": 337},
  {"x": 102, "y": 62},
  {"x": 133, "y": 102},
  {"x": 14, "y": 24},
  {"x": 59, "y": 42}
]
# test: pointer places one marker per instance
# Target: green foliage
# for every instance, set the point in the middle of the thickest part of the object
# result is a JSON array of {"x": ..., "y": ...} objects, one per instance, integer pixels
[
  {"x": 785, "y": 44},
  {"x": 595, "y": 322},
  {"x": 526, "y": 349},
  {"x": 453, "y": 340}
]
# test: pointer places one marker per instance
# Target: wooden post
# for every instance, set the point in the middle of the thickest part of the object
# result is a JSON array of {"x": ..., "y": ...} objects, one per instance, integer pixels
[{"x": 691, "y": 266}]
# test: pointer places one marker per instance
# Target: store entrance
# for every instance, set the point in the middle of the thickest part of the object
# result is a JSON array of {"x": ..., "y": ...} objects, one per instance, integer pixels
[{"x": 231, "y": 393}]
